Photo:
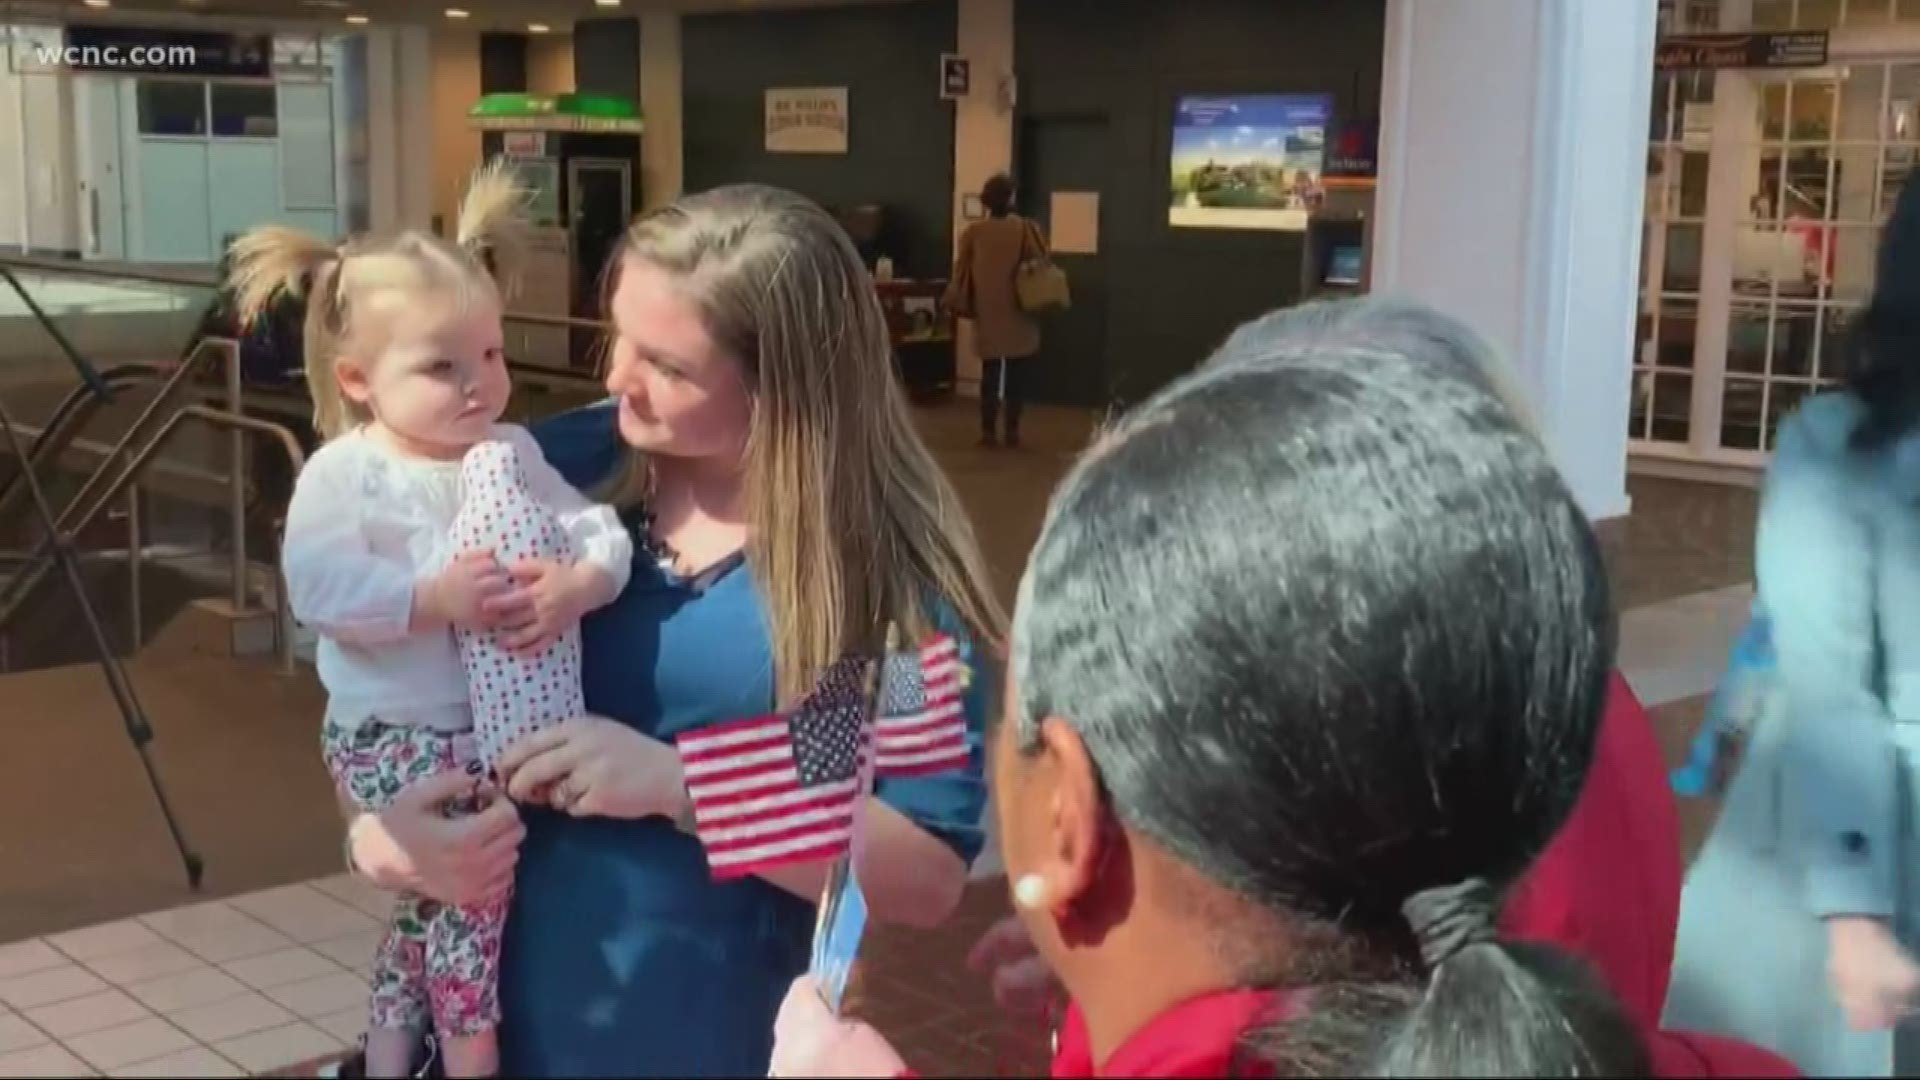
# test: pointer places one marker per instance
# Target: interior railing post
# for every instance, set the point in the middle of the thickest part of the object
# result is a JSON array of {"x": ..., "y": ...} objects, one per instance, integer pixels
[
  {"x": 237, "y": 493},
  {"x": 136, "y": 558}
]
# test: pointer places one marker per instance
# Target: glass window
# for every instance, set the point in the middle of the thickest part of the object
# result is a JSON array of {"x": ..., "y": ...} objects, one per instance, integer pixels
[
  {"x": 1671, "y": 410},
  {"x": 1812, "y": 112},
  {"x": 245, "y": 110},
  {"x": 1795, "y": 337},
  {"x": 1682, "y": 270},
  {"x": 172, "y": 107},
  {"x": 1741, "y": 403},
  {"x": 1674, "y": 348}
]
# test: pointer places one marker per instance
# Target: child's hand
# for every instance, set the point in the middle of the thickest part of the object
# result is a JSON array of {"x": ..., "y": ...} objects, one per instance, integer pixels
[
  {"x": 458, "y": 595},
  {"x": 547, "y": 600}
]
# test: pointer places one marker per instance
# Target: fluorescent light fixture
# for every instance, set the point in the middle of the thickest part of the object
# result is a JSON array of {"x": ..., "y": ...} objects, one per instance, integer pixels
[
  {"x": 357, "y": 20},
  {"x": 98, "y": 3},
  {"x": 456, "y": 13},
  {"x": 607, "y": 3},
  {"x": 537, "y": 28}
]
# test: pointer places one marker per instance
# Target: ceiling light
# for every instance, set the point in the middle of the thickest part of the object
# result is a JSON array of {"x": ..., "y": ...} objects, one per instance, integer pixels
[
  {"x": 607, "y": 3},
  {"x": 98, "y": 3},
  {"x": 537, "y": 28},
  {"x": 357, "y": 20},
  {"x": 456, "y": 13}
]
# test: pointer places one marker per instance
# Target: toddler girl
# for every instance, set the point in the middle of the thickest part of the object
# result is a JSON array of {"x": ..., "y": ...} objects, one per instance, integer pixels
[{"x": 404, "y": 358}]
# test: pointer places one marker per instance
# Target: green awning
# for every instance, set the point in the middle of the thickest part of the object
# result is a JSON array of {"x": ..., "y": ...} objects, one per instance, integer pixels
[{"x": 555, "y": 112}]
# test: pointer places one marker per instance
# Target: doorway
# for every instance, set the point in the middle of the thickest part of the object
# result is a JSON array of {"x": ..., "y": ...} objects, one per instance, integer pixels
[
  {"x": 1058, "y": 154},
  {"x": 599, "y": 193},
  {"x": 102, "y": 175}
]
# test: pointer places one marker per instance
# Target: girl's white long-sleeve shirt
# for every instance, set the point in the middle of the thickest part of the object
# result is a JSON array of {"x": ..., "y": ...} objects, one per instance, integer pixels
[{"x": 366, "y": 525}]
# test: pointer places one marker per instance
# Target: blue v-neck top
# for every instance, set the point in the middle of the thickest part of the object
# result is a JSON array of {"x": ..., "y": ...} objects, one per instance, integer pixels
[{"x": 622, "y": 956}]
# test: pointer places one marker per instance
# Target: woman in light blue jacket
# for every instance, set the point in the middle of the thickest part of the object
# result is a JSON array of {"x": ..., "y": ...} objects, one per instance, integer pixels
[{"x": 1801, "y": 915}]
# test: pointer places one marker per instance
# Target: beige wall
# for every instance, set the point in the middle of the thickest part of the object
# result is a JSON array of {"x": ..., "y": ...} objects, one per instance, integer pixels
[
  {"x": 982, "y": 131},
  {"x": 550, "y": 63},
  {"x": 456, "y": 147},
  {"x": 661, "y": 165}
]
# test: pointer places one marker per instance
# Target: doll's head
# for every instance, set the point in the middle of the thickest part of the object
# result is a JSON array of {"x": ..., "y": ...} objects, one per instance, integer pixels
[{"x": 402, "y": 331}]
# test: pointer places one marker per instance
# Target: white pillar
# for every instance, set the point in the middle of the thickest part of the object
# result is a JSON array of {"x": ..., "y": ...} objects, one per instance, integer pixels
[
  {"x": 399, "y": 100},
  {"x": 982, "y": 132},
  {"x": 662, "y": 171},
  {"x": 1513, "y": 155}
]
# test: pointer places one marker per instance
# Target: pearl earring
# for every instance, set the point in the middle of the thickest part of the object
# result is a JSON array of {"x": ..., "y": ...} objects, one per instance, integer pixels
[{"x": 1030, "y": 892}]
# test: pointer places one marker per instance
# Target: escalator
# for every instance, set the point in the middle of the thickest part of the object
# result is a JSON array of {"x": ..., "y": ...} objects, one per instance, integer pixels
[{"x": 69, "y": 436}]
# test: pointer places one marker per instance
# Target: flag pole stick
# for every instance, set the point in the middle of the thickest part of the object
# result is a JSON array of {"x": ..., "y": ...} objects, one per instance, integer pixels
[{"x": 840, "y": 870}]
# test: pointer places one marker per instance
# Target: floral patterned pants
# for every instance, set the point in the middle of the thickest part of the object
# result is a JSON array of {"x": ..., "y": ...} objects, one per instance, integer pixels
[{"x": 437, "y": 960}]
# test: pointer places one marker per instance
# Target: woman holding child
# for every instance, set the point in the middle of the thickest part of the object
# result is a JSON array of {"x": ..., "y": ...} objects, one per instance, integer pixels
[{"x": 782, "y": 510}]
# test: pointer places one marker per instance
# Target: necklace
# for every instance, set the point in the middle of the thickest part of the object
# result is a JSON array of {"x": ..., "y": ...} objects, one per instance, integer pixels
[{"x": 661, "y": 552}]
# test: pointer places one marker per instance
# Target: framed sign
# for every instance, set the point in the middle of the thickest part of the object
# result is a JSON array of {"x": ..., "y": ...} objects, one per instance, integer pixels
[
  {"x": 956, "y": 77},
  {"x": 1713, "y": 52},
  {"x": 524, "y": 143},
  {"x": 807, "y": 120}
]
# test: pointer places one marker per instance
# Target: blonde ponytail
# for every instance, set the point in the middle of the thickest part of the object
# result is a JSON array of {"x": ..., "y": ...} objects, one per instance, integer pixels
[
  {"x": 492, "y": 227},
  {"x": 274, "y": 261}
]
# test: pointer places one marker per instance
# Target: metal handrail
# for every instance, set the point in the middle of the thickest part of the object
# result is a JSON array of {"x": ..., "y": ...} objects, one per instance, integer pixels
[
  {"x": 36, "y": 568},
  {"x": 66, "y": 422},
  {"x": 230, "y": 350},
  {"x": 84, "y": 506}
]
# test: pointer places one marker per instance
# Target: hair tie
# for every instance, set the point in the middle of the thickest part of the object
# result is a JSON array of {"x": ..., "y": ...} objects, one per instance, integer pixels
[{"x": 1449, "y": 919}]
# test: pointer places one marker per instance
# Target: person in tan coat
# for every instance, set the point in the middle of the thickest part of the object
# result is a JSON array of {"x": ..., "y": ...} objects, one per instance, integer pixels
[{"x": 982, "y": 290}]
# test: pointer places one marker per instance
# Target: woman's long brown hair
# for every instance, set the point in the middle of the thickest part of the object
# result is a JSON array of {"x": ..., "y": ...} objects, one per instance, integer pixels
[{"x": 853, "y": 525}]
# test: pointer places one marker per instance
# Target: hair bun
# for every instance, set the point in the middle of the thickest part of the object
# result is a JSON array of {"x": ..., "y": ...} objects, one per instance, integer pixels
[{"x": 1451, "y": 918}]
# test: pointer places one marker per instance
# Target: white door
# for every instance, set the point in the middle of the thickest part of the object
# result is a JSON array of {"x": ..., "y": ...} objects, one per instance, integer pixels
[{"x": 103, "y": 190}]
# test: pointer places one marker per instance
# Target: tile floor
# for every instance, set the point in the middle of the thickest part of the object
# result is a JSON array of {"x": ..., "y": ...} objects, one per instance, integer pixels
[{"x": 245, "y": 986}]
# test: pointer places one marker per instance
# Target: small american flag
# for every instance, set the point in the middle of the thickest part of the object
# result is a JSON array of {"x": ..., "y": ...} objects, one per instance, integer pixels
[
  {"x": 785, "y": 788},
  {"x": 922, "y": 726}
]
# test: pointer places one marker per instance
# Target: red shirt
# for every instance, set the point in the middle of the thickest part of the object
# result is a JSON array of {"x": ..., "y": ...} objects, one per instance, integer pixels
[
  {"x": 1200, "y": 1037},
  {"x": 1607, "y": 889}
]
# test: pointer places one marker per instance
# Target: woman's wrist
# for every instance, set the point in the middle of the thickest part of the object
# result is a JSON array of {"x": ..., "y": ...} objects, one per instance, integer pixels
[{"x": 366, "y": 864}]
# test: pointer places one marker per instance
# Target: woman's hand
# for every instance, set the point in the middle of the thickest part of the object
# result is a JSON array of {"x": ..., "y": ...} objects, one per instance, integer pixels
[
  {"x": 547, "y": 599},
  {"x": 809, "y": 1040},
  {"x": 413, "y": 845},
  {"x": 1022, "y": 983},
  {"x": 1873, "y": 977},
  {"x": 595, "y": 767}
]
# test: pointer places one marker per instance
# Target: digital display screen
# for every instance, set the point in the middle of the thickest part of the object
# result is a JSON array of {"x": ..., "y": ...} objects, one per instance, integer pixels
[{"x": 1248, "y": 161}]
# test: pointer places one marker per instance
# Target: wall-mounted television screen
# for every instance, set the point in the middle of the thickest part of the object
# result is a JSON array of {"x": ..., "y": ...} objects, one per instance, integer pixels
[{"x": 1248, "y": 161}]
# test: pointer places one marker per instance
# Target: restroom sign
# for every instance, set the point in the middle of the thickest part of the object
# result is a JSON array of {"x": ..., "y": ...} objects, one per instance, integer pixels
[
  {"x": 807, "y": 121},
  {"x": 956, "y": 77}
]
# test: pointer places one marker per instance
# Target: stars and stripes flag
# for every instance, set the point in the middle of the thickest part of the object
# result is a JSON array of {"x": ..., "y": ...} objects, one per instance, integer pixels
[
  {"x": 922, "y": 723},
  {"x": 785, "y": 788}
]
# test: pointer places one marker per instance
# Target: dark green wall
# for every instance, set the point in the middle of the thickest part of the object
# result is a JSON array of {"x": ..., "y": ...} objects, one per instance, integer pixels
[
  {"x": 900, "y": 134},
  {"x": 1172, "y": 295}
]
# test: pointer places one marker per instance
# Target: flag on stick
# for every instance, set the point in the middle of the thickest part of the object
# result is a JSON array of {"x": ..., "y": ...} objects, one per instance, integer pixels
[
  {"x": 922, "y": 724},
  {"x": 786, "y": 788}
]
